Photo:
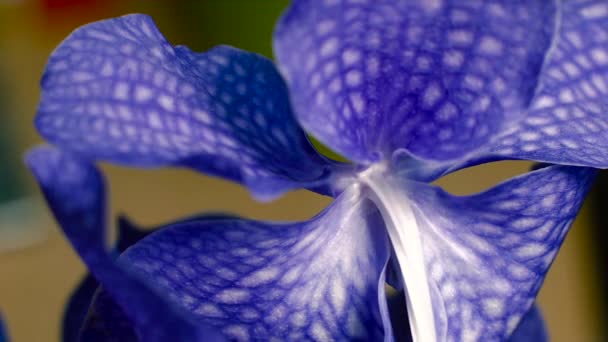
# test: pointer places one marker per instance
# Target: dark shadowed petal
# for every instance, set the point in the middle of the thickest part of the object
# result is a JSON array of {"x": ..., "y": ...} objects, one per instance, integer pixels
[
  {"x": 438, "y": 78},
  {"x": 129, "y": 234},
  {"x": 531, "y": 328},
  {"x": 75, "y": 192},
  {"x": 568, "y": 120},
  {"x": 3, "y": 332},
  {"x": 106, "y": 321},
  {"x": 116, "y": 90},
  {"x": 78, "y": 305},
  {"x": 487, "y": 255},
  {"x": 317, "y": 280}
]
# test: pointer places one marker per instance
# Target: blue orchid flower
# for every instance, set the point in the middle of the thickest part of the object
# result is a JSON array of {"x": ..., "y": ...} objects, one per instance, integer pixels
[{"x": 406, "y": 90}]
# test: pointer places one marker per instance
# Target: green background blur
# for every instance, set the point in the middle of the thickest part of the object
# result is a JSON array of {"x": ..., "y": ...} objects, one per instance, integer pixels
[{"x": 37, "y": 267}]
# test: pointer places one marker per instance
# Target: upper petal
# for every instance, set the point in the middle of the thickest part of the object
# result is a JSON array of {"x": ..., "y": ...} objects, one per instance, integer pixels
[
  {"x": 567, "y": 122},
  {"x": 316, "y": 280},
  {"x": 117, "y": 90},
  {"x": 487, "y": 255},
  {"x": 75, "y": 192},
  {"x": 438, "y": 78}
]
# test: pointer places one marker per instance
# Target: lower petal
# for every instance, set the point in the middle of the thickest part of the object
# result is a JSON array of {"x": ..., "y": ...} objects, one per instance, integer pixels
[
  {"x": 472, "y": 266},
  {"x": 321, "y": 279},
  {"x": 487, "y": 254},
  {"x": 80, "y": 301}
]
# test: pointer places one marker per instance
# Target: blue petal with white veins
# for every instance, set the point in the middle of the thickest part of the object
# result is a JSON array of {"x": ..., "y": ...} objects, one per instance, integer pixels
[
  {"x": 486, "y": 255},
  {"x": 78, "y": 306},
  {"x": 116, "y": 90},
  {"x": 75, "y": 192},
  {"x": 321, "y": 279},
  {"x": 568, "y": 119},
  {"x": 437, "y": 78}
]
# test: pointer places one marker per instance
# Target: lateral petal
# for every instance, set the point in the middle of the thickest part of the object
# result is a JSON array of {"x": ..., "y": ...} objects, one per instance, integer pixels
[
  {"x": 75, "y": 192},
  {"x": 567, "y": 122},
  {"x": 116, "y": 90},
  {"x": 321, "y": 279},
  {"x": 487, "y": 254}
]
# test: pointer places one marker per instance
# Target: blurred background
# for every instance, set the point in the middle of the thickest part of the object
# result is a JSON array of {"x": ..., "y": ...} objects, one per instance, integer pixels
[{"x": 37, "y": 267}]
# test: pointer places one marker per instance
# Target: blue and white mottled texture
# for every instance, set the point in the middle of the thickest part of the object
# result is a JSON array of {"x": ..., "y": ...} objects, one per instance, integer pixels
[
  {"x": 117, "y": 90},
  {"x": 487, "y": 254},
  {"x": 409, "y": 90},
  {"x": 567, "y": 120},
  {"x": 438, "y": 78},
  {"x": 316, "y": 280},
  {"x": 323, "y": 278}
]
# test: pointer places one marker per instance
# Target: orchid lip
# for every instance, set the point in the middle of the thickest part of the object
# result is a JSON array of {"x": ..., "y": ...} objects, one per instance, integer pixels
[{"x": 405, "y": 237}]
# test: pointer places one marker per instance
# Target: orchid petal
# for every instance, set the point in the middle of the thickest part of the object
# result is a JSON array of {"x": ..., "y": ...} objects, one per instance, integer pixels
[
  {"x": 321, "y": 279},
  {"x": 487, "y": 255},
  {"x": 567, "y": 121},
  {"x": 116, "y": 90},
  {"x": 78, "y": 305},
  {"x": 436, "y": 78},
  {"x": 531, "y": 328},
  {"x": 77, "y": 308},
  {"x": 75, "y": 192},
  {"x": 106, "y": 321},
  {"x": 80, "y": 301}
]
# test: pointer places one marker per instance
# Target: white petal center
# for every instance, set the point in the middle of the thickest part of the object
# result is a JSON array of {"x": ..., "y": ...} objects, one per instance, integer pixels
[{"x": 405, "y": 236}]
